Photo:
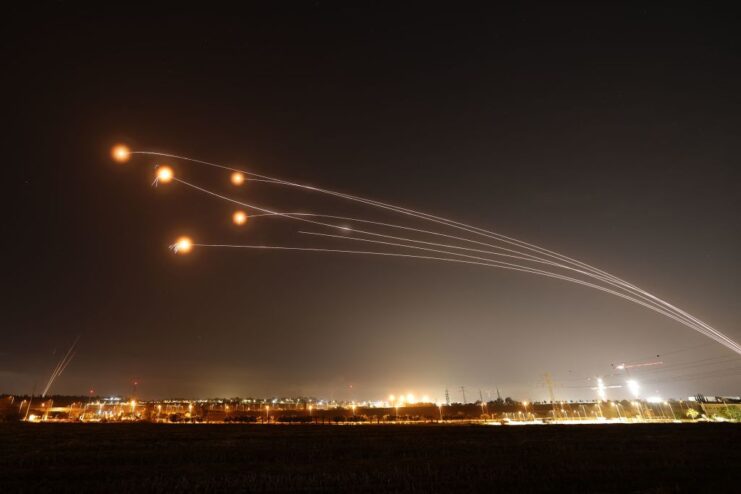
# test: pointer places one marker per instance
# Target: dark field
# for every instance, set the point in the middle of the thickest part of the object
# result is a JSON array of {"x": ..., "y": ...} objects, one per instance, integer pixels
[{"x": 215, "y": 458}]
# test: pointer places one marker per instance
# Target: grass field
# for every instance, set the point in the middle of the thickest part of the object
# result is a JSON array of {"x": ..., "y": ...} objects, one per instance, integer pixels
[{"x": 215, "y": 458}]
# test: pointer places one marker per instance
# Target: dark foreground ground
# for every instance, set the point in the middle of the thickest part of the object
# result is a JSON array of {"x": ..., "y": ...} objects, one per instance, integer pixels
[{"x": 216, "y": 458}]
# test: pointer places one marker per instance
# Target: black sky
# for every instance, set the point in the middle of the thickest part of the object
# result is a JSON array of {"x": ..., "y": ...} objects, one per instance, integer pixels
[{"x": 609, "y": 133}]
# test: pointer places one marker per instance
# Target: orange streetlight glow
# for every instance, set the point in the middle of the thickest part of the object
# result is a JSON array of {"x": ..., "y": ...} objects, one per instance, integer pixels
[
  {"x": 237, "y": 178},
  {"x": 120, "y": 153},
  {"x": 239, "y": 218},
  {"x": 165, "y": 174}
]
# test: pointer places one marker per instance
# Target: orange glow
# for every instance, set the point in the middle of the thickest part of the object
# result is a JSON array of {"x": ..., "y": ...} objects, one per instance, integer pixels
[
  {"x": 183, "y": 245},
  {"x": 239, "y": 218},
  {"x": 165, "y": 174},
  {"x": 120, "y": 153},
  {"x": 237, "y": 178}
]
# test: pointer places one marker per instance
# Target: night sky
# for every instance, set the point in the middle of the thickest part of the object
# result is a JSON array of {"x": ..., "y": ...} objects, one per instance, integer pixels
[{"x": 610, "y": 134}]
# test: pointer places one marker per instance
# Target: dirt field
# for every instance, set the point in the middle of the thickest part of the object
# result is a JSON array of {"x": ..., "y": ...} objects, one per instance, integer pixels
[{"x": 215, "y": 458}]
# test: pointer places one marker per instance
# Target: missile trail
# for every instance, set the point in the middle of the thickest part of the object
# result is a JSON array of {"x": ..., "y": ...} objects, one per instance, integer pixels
[
  {"x": 526, "y": 257},
  {"x": 719, "y": 338},
  {"x": 410, "y": 212},
  {"x": 528, "y": 269},
  {"x": 492, "y": 264},
  {"x": 599, "y": 274},
  {"x": 453, "y": 224},
  {"x": 61, "y": 366}
]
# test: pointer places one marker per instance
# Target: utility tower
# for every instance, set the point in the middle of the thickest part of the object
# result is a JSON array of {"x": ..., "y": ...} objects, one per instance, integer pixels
[
  {"x": 463, "y": 392},
  {"x": 447, "y": 396}
]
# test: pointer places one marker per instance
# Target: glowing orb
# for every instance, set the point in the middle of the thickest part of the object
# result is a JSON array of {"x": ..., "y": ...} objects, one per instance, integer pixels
[
  {"x": 237, "y": 178},
  {"x": 239, "y": 218},
  {"x": 120, "y": 153},
  {"x": 165, "y": 174},
  {"x": 183, "y": 245}
]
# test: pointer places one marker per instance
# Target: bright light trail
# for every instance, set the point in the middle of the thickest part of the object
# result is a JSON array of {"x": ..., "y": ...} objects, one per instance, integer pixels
[
  {"x": 526, "y": 257},
  {"x": 493, "y": 264},
  {"x": 720, "y": 337},
  {"x": 61, "y": 366},
  {"x": 680, "y": 315},
  {"x": 523, "y": 268}
]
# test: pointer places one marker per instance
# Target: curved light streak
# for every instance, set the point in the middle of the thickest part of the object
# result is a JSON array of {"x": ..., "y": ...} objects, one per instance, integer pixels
[
  {"x": 712, "y": 332},
  {"x": 492, "y": 264}
]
